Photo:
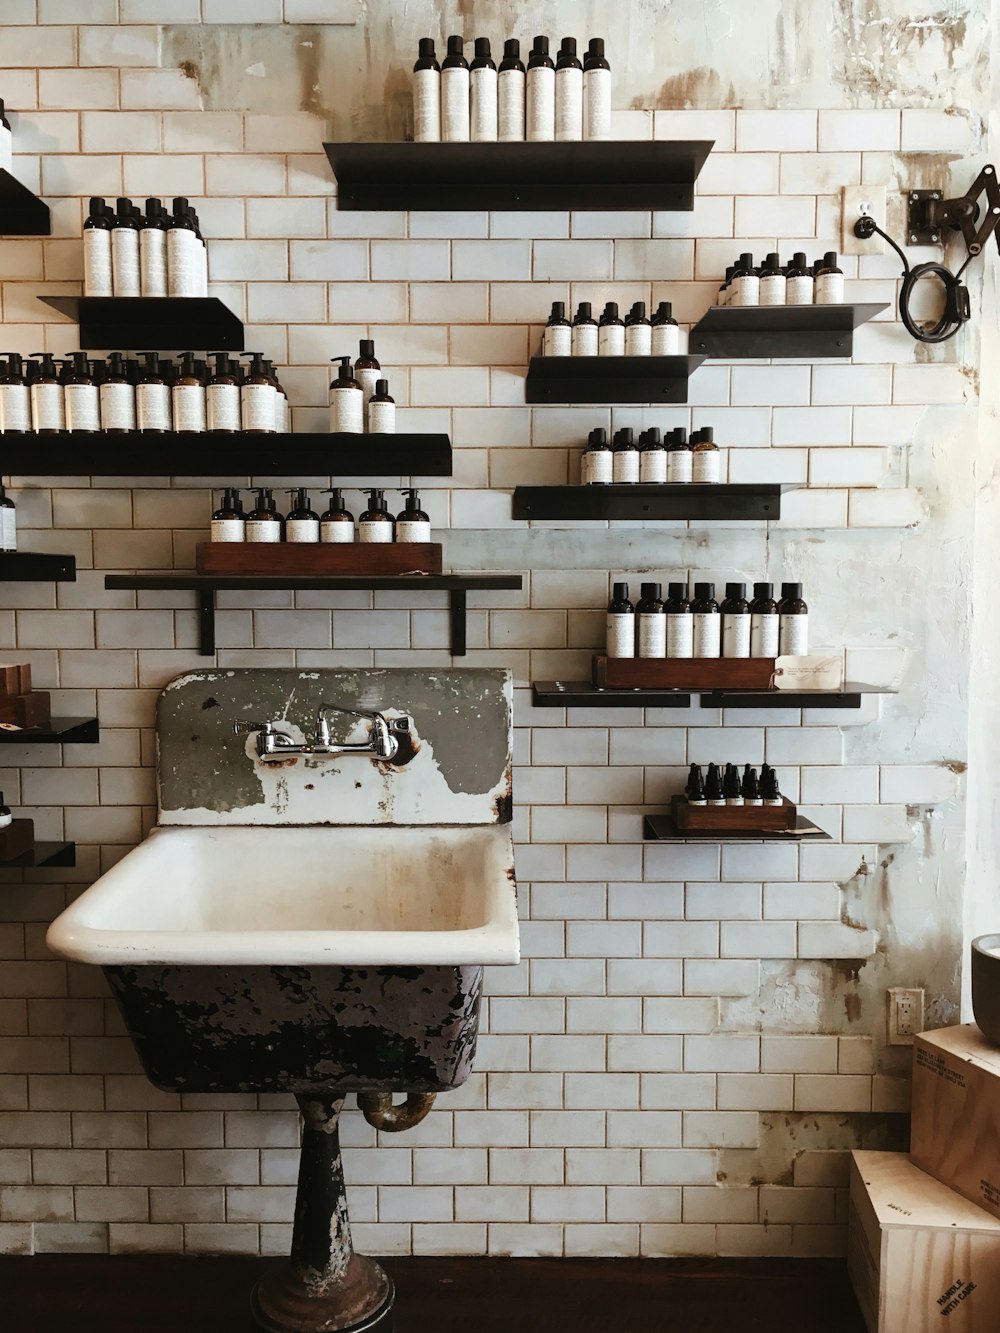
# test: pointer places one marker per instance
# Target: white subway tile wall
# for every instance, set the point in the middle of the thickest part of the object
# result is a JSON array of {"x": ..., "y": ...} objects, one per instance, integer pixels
[{"x": 680, "y": 1009}]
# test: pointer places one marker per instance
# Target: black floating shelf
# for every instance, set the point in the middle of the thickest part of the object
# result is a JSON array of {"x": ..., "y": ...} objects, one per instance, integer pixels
[
  {"x": 581, "y": 694},
  {"x": 194, "y": 454},
  {"x": 154, "y": 323},
  {"x": 661, "y": 828},
  {"x": 30, "y": 567},
  {"x": 609, "y": 379},
  {"x": 43, "y": 854},
  {"x": 21, "y": 212},
  {"x": 672, "y": 501},
  {"x": 848, "y": 696},
  {"x": 757, "y": 331},
  {"x": 519, "y": 177},
  {"x": 60, "y": 731},
  {"x": 207, "y": 585}
]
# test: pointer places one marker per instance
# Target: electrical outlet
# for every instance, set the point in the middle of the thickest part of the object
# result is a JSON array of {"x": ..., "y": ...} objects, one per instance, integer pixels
[
  {"x": 857, "y": 201},
  {"x": 904, "y": 1015}
]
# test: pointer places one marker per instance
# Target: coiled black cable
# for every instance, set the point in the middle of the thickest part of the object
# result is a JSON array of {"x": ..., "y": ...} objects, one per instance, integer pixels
[{"x": 956, "y": 294}]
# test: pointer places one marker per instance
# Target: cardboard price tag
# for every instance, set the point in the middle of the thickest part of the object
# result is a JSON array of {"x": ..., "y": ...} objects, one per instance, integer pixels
[{"x": 809, "y": 673}]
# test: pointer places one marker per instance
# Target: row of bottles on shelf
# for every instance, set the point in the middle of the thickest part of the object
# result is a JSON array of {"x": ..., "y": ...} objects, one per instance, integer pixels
[
  {"x": 562, "y": 100},
  {"x": 118, "y": 395},
  {"x": 635, "y": 335},
  {"x": 722, "y": 785},
  {"x": 303, "y": 524},
  {"x": 130, "y": 253},
  {"x": 699, "y": 627},
  {"x": 651, "y": 459},
  {"x": 797, "y": 283},
  {"x": 359, "y": 395}
]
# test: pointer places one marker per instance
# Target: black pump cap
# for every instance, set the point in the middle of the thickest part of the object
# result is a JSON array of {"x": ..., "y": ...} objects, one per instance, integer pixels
[
  {"x": 654, "y": 438},
  {"x": 265, "y": 499},
  {"x": 650, "y": 591},
  {"x": 336, "y": 495},
  {"x": 746, "y": 259},
  {"x": 558, "y": 310},
  {"x": 638, "y": 310},
  {"x": 302, "y": 499},
  {"x": 596, "y": 47},
  {"x": 367, "y": 347},
  {"x": 704, "y": 592},
  {"x": 425, "y": 48},
  {"x": 456, "y": 46},
  {"x": 512, "y": 49},
  {"x": 584, "y": 311},
  {"x": 610, "y": 310},
  {"x": 736, "y": 590},
  {"x": 763, "y": 591},
  {"x": 344, "y": 373},
  {"x": 381, "y": 388},
  {"x": 231, "y": 498},
  {"x": 598, "y": 437},
  {"x": 707, "y": 434},
  {"x": 620, "y": 591},
  {"x": 483, "y": 48},
  {"x": 791, "y": 592},
  {"x": 541, "y": 46},
  {"x": 773, "y": 260},
  {"x": 664, "y": 312},
  {"x": 677, "y": 592},
  {"x": 679, "y": 436},
  {"x": 830, "y": 259},
  {"x": 568, "y": 47},
  {"x": 624, "y": 438},
  {"x": 799, "y": 259}
]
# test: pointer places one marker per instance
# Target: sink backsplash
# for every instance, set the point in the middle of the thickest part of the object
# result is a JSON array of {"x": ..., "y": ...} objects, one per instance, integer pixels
[{"x": 461, "y": 728}]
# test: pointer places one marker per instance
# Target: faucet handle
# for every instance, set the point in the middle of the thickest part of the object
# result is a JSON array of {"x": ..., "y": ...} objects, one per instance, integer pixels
[{"x": 244, "y": 728}]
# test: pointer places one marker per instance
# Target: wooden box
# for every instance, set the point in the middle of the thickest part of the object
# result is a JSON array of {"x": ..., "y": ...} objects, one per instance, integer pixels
[
  {"x": 776, "y": 818},
  {"x": 955, "y": 1126},
  {"x": 26, "y": 710},
  {"x": 920, "y": 1257},
  {"x": 306, "y": 558},
  {"x": 683, "y": 673},
  {"x": 15, "y": 678},
  {"x": 16, "y": 839}
]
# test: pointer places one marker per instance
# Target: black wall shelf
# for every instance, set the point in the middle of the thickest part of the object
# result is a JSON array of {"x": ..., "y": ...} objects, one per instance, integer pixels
[
  {"x": 581, "y": 694},
  {"x": 32, "y": 567},
  {"x": 207, "y": 585},
  {"x": 21, "y": 212},
  {"x": 758, "y": 331},
  {"x": 194, "y": 454},
  {"x": 661, "y": 828},
  {"x": 848, "y": 696},
  {"x": 671, "y": 501},
  {"x": 41, "y": 855},
  {"x": 60, "y": 731},
  {"x": 633, "y": 174},
  {"x": 153, "y": 323},
  {"x": 609, "y": 379}
]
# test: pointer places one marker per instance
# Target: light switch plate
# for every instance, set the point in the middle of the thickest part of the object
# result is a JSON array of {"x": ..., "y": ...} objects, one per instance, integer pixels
[{"x": 857, "y": 201}]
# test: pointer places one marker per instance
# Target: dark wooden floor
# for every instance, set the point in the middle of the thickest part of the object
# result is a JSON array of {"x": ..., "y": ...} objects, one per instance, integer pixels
[{"x": 165, "y": 1293}]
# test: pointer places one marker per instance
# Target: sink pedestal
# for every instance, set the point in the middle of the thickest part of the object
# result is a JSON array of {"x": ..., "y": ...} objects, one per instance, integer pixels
[{"x": 326, "y": 1288}]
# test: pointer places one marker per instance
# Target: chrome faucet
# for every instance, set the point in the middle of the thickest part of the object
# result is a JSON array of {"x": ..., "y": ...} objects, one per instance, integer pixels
[{"x": 274, "y": 746}]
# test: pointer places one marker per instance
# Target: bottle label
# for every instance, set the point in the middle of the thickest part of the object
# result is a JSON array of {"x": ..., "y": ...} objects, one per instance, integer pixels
[
  {"x": 586, "y": 461},
  {"x": 368, "y": 379},
  {"x": 772, "y": 289},
  {"x": 510, "y": 95},
  {"x": 263, "y": 530},
  {"x": 8, "y": 529},
  {"x": 222, "y": 407},
  {"x": 705, "y": 465},
  {"x": 6, "y": 149},
  {"x": 557, "y": 340},
  {"x": 426, "y": 105},
  {"x": 47, "y": 410},
  {"x": 282, "y": 414},
  {"x": 584, "y": 340},
  {"x": 347, "y": 411},
  {"x": 484, "y": 105},
  {"x": 653, "y": 635},
  {"x": 638, "y": 340},
  {"x": 665, "y": 340},
  {"x": 653, "y": 466},
  {"x": 455, "y": 105},
  {"x": 189, "y": 407},
  {"x": 764, "y": 634},
  {"x": 153, "y": 261},
  {"x": 15, "y": 408},
  {"x": 257, "y": 406},
  {"x": 707, "y": 634},
  {"x": 746, "y": 290},
  {"x": 228, "y": 530},
  {"x": 97, "y": 279},
  {"x": 602, "y": 466},
  {"x": 597, "y": 104},
  {"x": 336, "y": 531},
  {"x": 799, "y": 291},
  {"x": 794, "y": 636},
  {"x": 621, "y": 634},
  {"x": 381, "y": 417},
  {"x": 625, "y": 466},
  {"x": 125, "y": 261},
  {"x": 569, "y": 104},
  {"x": 302, "y": 530},
  {"x": 117, "y": 406},
  {"x": 374, "y": 530},
  {"x": 184, "y": 262},
  {"x": 152, "y": 406},
  {"x": 736, "y": 635},
  {"x": 413, "y": 530},
  {"x": 611, "y": 340},
  {"x": 82, "y": 407},
  {"x": 541, "y": 116},
  {"x": 680, "y": 634},
  {"x": 679, "y": 465},
  {"x": 829, "y": 289}
]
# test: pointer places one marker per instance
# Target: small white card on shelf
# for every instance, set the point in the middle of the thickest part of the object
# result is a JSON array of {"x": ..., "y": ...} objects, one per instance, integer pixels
[{"x": 814, "y": 672}]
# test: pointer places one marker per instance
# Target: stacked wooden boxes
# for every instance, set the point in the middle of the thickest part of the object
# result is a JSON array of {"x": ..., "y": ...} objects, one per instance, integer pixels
[{"x": 21, "y": 707}]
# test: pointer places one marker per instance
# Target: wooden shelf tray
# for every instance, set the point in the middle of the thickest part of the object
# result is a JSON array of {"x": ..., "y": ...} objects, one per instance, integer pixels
[
  {"x": 683, "y": 673},
  {"x": 733, "y": 818},
  {"x": 319, "y": 558}
]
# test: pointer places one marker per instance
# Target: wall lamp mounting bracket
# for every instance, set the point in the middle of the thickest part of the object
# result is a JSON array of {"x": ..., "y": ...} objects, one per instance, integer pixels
[{"x": 930, "y": 215}]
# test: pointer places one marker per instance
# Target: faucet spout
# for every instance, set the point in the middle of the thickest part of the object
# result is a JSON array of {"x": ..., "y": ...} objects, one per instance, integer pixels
[{"x": 381, "y": 742}]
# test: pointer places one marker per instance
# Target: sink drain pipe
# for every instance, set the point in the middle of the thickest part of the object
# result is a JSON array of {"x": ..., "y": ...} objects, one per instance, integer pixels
[{"x": 378, "y": 1109}]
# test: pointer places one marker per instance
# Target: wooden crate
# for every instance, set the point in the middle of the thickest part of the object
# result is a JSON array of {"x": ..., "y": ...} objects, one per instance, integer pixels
[
  {"x": 15, "y": 678},
  {"x": 774, "y": 818},
  {"x": 683, "y": 673},
  {"x": 920, "y": 1257},
  {"x": 319, "y": 558},
  {"x": 16, "y": 839},
  {"x": 26, "y": 710},
  {"x": 955, "y": 1127}
]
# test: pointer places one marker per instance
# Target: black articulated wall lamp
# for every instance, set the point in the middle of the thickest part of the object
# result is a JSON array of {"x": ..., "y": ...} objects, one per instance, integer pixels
[{"x": 930, "y": 217}]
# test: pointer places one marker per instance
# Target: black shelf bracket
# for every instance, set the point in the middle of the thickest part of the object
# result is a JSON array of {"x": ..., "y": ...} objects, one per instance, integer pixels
[
  {"x": 609, "y": 379},
  {"x": 43, "y": 855},
  {"x": 671, "y": 501},
  {"x": 157, "y": 323},
  {"x": 760, "y": 331},
  {"x": 21, "y": 212}
]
